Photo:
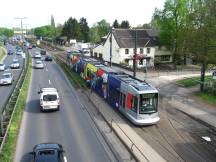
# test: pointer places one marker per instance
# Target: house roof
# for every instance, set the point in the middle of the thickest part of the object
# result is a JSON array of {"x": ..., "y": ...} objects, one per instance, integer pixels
[{"x": 145, "y": 37}]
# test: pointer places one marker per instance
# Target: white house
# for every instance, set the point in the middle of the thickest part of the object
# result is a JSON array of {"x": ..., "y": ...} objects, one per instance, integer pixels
[{"x": 122, "y": 47}]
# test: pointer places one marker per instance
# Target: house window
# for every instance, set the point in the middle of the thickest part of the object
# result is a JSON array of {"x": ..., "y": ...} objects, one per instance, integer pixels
[
  {"x": 126, "y": 51},
  {"x": 141, "y": 62},
  {"x": 165, "y": 58},
  {"x": 95, "y": 54},
  {"x": 100, "y": 56},
  {"x": 141, "y": 50},
  {"x": 148, "y": 50}
]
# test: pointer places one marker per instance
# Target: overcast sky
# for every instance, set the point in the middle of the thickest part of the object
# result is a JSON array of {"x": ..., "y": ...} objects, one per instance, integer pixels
[{"x": 39, "y": 11}]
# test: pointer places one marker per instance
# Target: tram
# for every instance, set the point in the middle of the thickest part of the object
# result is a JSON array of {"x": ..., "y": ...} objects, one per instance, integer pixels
[{"x": 135, "y": 99}]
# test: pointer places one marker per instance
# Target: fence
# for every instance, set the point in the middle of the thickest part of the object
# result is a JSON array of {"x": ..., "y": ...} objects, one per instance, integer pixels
[{"x": 8, "y": 108}]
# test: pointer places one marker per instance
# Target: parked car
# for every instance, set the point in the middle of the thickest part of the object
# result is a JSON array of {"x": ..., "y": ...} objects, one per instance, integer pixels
[
  {"x": 6, "y": 78},
  {"x": 39, "y": 64},
  {"x": 48, "y": 58},
  {"x": 48, "y": 152},
  {"x": 15, "y": 64},
  {"x": 2, "y": 66},
  {"x": 49, "y": 99}
]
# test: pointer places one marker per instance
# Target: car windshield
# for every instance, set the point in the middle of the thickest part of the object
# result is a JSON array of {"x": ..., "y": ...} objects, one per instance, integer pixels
[
  {"x": 6, "y": 76},
  {"x": 49, "y": 97},
  {"x": 148, "y": 103},
  {"x": 39, "y": 62},
  {"x": 48, "y": 154},
  {"x": 1, "y": 64},
  {"x": 15, "y": 61}
]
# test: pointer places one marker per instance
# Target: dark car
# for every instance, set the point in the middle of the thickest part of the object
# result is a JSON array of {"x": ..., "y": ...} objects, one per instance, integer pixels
[
  {"x": 34, "y": 46},
  {"x": 48, "y": 152},
  {"x": 48, "y": 58},
  {"x": 10, "y": 52},
  {"x": 43, "y": 52}
]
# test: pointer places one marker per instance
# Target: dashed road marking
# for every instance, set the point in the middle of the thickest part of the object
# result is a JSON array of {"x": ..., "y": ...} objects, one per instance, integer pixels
[{"x": 49, "y": 82}]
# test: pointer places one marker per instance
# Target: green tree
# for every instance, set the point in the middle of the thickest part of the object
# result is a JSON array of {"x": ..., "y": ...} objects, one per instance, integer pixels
[
  {"x": 52, "y": 21},
  {"x": 99, "y": 30},
  {"x": 171, "y": 21},
  {"x": 125, "y": 24},
  {"x": 84, "y": 29},
  {"x": 116, "y": 24},
  {"x": 6, "y": 32},
  {"x": 71, "y": 29}
]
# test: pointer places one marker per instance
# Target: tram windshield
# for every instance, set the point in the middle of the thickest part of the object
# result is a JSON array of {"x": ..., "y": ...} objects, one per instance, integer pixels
[{"x": 148, "y": 103}]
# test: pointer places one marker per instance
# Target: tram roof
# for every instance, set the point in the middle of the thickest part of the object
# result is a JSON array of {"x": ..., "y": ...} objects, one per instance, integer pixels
[{"x": 136, "y": 83}]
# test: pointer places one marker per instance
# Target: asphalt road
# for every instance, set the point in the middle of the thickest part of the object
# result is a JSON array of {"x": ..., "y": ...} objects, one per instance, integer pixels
[
  {"x": 6, "y": 90},
  {"x": 71, "y": 126}
]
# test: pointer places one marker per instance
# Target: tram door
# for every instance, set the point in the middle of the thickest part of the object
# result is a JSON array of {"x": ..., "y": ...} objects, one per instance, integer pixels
[{"x": 122, "y": 100}]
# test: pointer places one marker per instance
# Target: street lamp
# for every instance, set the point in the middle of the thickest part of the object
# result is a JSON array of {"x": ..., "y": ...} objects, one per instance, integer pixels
[
  {"x": 26, "y": 26},
  {"x": 21, "y": 18}
]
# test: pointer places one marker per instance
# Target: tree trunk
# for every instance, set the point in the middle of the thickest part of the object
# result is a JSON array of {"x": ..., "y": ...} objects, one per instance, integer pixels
[{"x": 202, "y": 78}]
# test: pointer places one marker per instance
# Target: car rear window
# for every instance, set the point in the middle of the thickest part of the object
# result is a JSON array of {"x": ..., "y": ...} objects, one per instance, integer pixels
[
  {"x": 49, "y": 97},
  {"x": 47, "y": 152}
]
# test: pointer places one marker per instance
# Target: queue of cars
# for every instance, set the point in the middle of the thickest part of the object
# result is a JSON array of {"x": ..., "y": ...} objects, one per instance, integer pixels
[{"x": 7, "y": 77}]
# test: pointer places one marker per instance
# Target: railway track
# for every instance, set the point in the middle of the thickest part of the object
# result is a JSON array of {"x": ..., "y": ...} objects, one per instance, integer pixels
[{"x": 177, "y": 137}]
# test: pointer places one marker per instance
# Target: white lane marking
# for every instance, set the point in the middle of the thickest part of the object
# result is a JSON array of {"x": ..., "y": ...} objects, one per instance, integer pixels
[
  {"x": 207, "y": 138},
  {"x": 65, "y": 159},
  {"x": 49, "y": 82}
]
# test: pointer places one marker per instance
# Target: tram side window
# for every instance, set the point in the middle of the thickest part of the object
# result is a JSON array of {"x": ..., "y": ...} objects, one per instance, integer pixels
[
  {"x": 123, "y": 100},
  {"x": 135, "y": 104},
  {"x": 120, "y": 99}
]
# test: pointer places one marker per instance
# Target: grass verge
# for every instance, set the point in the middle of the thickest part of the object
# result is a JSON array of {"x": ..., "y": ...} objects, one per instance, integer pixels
[
  {"x": 73, "y": 77},
  {"x": 209, "y": 98},
  {"x": 2, "y": 53},
  {"x": 10, "y": 143},
  {"x": 189, "y": 82}
]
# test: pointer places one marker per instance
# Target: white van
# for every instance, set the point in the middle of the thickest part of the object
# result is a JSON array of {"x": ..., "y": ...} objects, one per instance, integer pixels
[{"x": 49, "y": 99}]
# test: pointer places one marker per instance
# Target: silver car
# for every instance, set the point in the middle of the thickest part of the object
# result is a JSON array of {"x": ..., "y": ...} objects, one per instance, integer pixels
[
  {"x": 6, "y": 78},
  {"x": 2, "y": 67},
  {"x": 15, "y": 64},
  {"x": 39, "y": 64},
  {"x": 37, "y": 56}
]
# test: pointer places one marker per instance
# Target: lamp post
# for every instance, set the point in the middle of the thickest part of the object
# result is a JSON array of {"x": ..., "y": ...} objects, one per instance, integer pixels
[{"x": 21, "y": 19}]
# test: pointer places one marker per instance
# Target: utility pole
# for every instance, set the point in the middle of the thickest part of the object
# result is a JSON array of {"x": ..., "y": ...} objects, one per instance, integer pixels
[
  {"x": 21, "y": 19},
  {"x": 111, "y": 46},
  {"x": 135, "y": 54}
]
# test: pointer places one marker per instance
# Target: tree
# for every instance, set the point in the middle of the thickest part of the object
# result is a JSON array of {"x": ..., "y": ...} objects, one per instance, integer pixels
[
  {"x": 52, "y": 21},
  {"x": 99, "y": 30},
  {"x": 71, "y": 29},
  {"x": 171, "y": 21},
  {"x": 6, "y": 32},
  {"x": 84, "y": 29},
  {"x": 116, "y": 24},
  {"x": 125, "y": 24}
]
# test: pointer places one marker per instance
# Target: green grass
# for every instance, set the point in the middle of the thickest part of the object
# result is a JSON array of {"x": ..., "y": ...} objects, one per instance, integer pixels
[
  {"x": 209, "y": 98},
  {"x": 2, "y": 53},
  {"x": 189, "y": 82},
  {"x": 10, "y": 143},
  {"x": 73, "y": 77}
]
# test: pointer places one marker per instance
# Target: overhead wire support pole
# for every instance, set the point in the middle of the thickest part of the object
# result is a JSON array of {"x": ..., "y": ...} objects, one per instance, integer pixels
[
  {"x": 135, "y": 54},
  {"x": 21, "y": 18},
  {"x": 111, "y": 47}
]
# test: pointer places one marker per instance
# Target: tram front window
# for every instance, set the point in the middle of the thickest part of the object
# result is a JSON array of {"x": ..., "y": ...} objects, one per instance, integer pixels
[{"x": 148, "y": 103}]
